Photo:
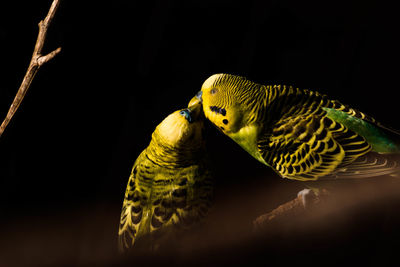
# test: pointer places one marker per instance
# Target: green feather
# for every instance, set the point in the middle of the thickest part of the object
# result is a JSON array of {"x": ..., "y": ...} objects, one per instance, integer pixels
[{"x": 379, "y": 141}]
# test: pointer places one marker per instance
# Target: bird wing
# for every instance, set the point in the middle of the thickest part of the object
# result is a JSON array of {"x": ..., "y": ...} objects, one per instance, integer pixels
[
  {"x": 369, "y": 165},
  {"x": 157, "y": 197},
  {"x": 132, "y": 214},
  {"x": 310, "y": 146}
]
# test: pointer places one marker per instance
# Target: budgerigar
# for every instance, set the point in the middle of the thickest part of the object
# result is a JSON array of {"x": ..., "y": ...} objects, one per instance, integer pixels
[
  {"x": 170, "y": 185},
  {"x": 301, "y": 134}
]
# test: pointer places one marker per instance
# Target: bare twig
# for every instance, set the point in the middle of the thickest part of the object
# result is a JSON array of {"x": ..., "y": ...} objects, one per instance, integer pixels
[{"x": 36, "y": 62}]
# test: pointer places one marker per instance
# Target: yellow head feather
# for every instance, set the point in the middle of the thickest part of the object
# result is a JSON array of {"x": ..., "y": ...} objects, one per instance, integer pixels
[
  {"x": 233, "y": 103},
  {"x": 176, "y": 129},
  {"x": 226, "y": 103},
  {"x": 180, "y": 132}
]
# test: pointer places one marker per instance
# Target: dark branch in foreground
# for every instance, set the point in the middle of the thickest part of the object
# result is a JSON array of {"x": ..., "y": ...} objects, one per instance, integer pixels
[{"x": 36, "y": 62}]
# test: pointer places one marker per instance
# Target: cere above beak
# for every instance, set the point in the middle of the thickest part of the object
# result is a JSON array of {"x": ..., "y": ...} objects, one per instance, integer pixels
[
  {"x": 199, "y": 95},
  {"x": 187, "y": 114}
]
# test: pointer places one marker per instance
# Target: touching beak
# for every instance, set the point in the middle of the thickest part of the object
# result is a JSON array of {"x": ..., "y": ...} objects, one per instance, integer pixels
[
  {"x": 195, "y": 108},
  {"x": 196, "y": 99}
]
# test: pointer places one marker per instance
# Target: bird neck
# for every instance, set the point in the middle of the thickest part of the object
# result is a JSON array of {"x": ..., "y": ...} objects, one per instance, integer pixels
[
  {"x": 283, "y": 101},
  {"x": 255, "y": 101},
  {"x": 179, "y": 155}
]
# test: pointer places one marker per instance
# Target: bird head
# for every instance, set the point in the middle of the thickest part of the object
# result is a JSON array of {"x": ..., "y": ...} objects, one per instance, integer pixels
[
  {"x": 225, "y": 101},
  {"x": 182, "y": 127}
]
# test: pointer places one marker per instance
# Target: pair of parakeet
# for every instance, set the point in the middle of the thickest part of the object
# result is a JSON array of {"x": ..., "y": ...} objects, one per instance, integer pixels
[{"x": 301, "y": 134}]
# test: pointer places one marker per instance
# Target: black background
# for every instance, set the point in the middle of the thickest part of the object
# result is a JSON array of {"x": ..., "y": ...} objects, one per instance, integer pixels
[{"x": 125, "y": 65}]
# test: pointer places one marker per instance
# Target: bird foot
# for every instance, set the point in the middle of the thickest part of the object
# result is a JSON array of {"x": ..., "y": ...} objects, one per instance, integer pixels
[{"x": 307, "y": 196}]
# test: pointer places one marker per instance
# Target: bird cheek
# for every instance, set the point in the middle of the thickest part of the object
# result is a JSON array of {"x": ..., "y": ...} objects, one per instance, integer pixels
[
  {"x": 226, "y": 126},
  {"x": 232, "y": 122}
]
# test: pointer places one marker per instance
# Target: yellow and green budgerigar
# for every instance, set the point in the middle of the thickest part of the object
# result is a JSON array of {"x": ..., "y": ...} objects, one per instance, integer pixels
[
  {"x": 301, "y": 134},
  {"x": 170, "y": 186}
]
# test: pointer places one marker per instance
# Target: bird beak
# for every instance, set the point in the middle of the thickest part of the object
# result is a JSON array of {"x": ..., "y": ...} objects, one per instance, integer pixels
[
  {"x": 195, "y": 109},
  {"x": 196, "y": 99}
]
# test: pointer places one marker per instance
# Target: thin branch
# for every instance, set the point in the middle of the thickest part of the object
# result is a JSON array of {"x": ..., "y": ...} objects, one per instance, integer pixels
[
  {"x": 36, "y": 62},
  {"x": 289, "y": 210}
]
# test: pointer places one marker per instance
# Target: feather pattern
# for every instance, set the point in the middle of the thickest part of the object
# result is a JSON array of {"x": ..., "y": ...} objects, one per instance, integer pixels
[
  {"x": 301, "y": 134},
  {"x": 170, "y": 186}
]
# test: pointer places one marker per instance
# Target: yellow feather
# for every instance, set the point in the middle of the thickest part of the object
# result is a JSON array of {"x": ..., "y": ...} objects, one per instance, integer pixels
[{"x": 170, "y": 183}]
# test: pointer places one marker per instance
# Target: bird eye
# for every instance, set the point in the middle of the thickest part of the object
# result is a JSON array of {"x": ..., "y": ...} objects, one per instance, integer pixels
[
  {"x": 213, "y": 91},
  {"x": 186, "y": 113}
]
